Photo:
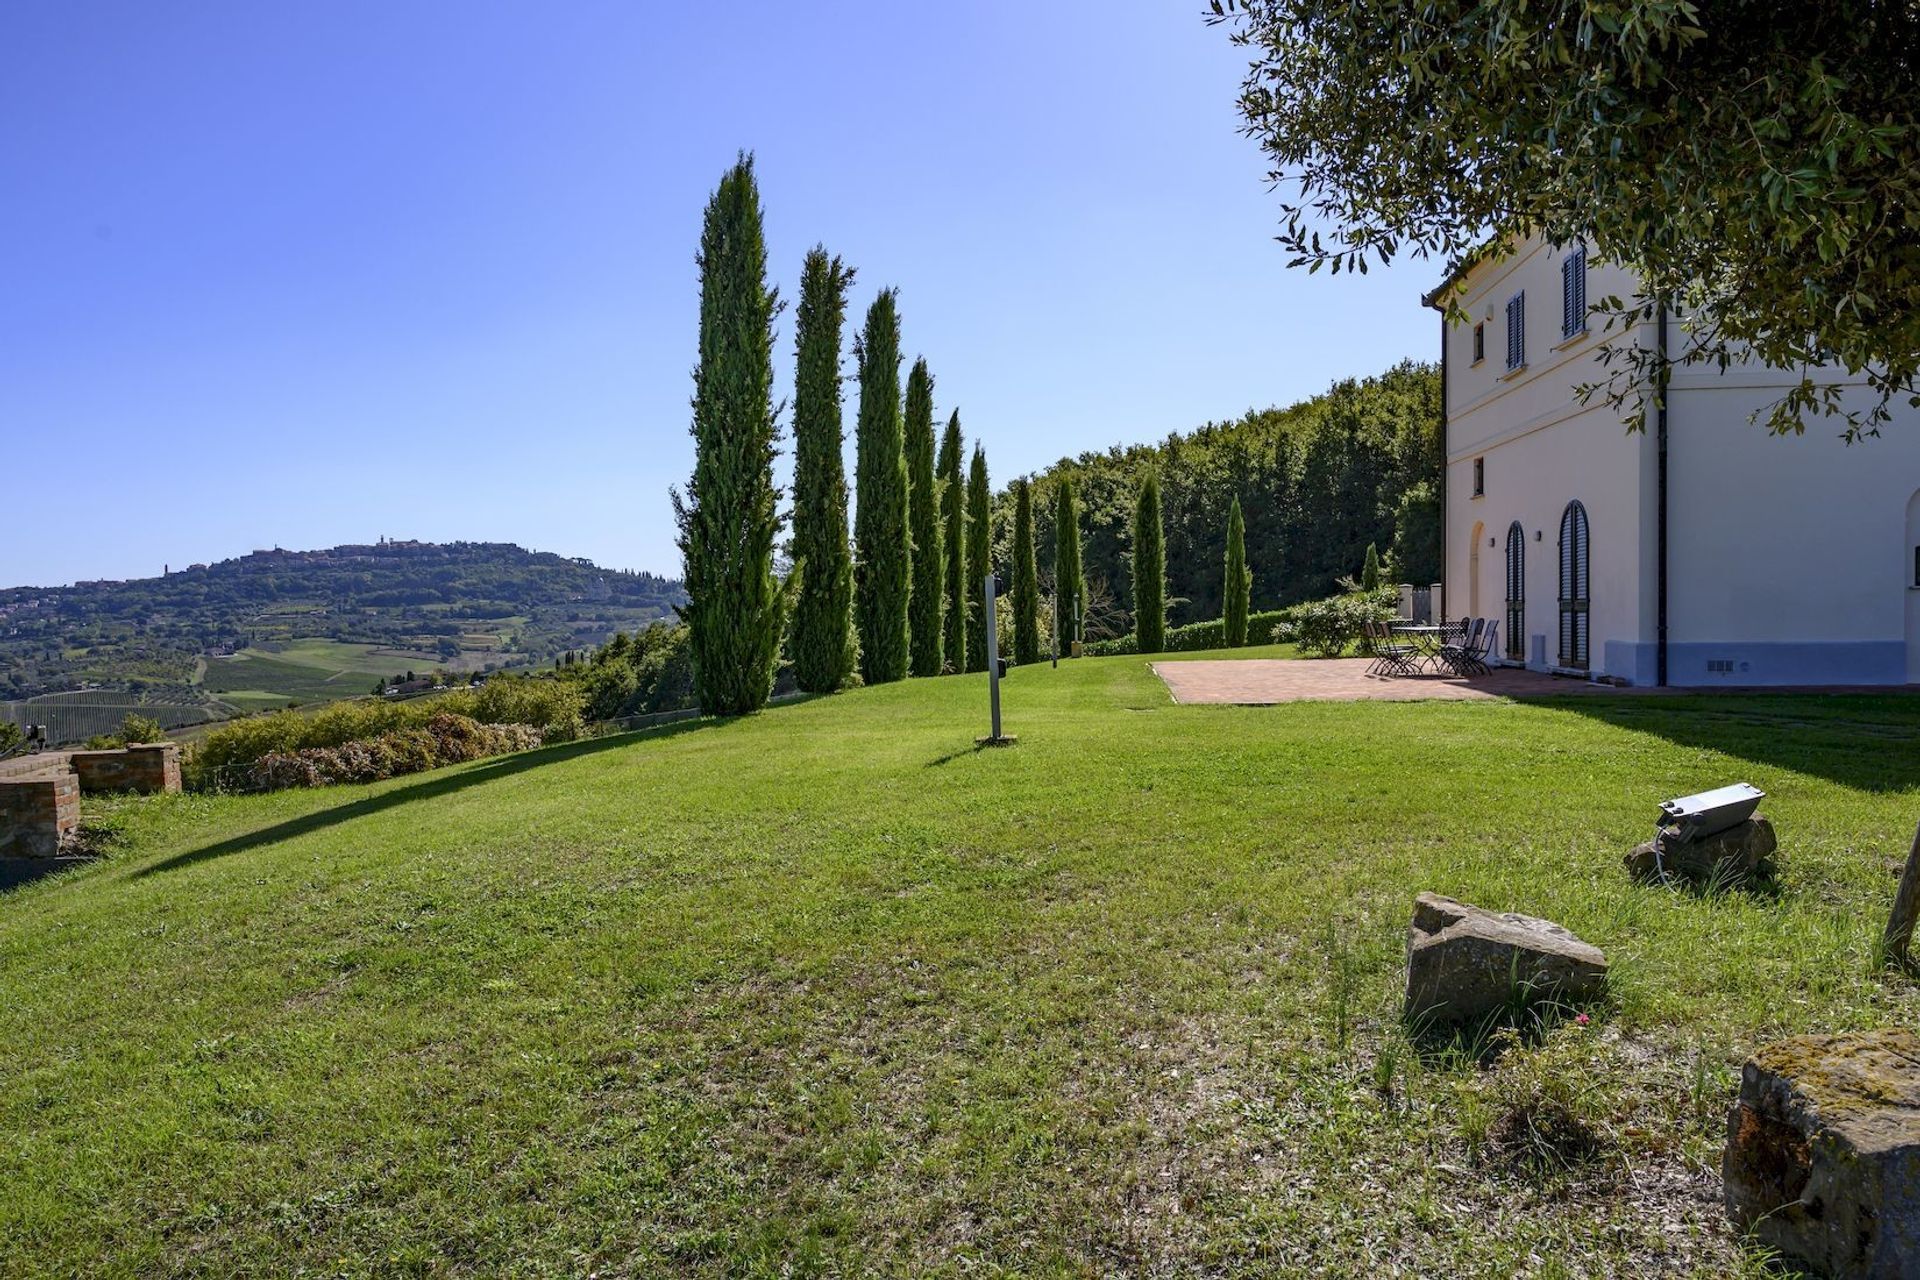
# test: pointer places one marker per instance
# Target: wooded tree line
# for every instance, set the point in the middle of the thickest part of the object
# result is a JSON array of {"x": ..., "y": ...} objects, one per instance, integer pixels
[{"x": 1317, "y": 483}]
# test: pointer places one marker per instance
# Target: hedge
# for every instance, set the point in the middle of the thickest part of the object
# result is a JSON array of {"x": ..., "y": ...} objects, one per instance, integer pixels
[
  {"x": 553, "y": 707},
  {"x": 444, "y": 739},
  {"x": 1195, "y": 635}
]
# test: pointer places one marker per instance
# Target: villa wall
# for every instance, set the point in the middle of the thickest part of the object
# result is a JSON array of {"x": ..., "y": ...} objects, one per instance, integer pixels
[
  {"x": 1540, "y": 448},
  {"x": 1791, "y": 560}
]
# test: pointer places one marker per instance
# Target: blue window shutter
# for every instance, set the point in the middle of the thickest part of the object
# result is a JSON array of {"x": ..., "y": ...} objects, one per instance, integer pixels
[
  {"x": 1573, "y": 293},
  {"x": 1580, "y": 293},
  {"x": 1516, "y": 330}
]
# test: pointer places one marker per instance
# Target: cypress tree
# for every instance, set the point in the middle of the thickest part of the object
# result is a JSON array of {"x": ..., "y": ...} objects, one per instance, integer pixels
[
  {"x": 1026, "y": 577},
  {"x": 1149, "y": 568},
  {"x": 1069, "y": 587},
  {"x": 735, "y": 608},
  {"x": 953, "y": 506},
  {"x": 883, "y": 570},
  {"x": 1239, "y": 579},
  {"x": 923, "y": 522},
  {"x": 979, "y": 556},
  {"x": 1370, "y": 575},
  {"x": 823, "y": 616}
]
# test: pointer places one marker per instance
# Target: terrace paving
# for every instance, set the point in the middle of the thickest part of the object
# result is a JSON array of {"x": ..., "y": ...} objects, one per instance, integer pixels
[{"x": 1264, "y": 681}]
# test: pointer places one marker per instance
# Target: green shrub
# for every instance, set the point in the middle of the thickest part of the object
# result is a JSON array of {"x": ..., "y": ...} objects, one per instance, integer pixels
[
  {"x": 552, "y": 706},
  {"x": 1327, "y": 628},
  {"x": 638, "y": 674}
]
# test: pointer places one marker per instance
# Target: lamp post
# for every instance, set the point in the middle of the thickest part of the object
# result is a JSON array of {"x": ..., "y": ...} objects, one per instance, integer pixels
[
  {"x": 995, "y": 668},
  {"x": 1054, "y": 613}
]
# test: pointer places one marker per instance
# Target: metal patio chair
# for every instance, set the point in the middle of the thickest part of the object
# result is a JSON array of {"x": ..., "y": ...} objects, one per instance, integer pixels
[
  {"x": 1390, "y": 658},
  {"x": 1458, "y": 655},
  {"x": 1484, "y": 650}
]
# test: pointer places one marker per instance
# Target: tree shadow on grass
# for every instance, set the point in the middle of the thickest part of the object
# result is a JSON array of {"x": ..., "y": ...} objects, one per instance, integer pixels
[
  {"x": 426, "y": 789},
  {"x": 1862, "y": 740}
]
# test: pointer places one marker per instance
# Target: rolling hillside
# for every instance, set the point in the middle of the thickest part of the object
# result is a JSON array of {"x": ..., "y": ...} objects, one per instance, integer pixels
[{"x": 278, "y": 626}]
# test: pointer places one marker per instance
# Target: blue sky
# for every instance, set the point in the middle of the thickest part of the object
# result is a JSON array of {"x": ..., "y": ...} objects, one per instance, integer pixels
[{"x": 306, "y": 273}]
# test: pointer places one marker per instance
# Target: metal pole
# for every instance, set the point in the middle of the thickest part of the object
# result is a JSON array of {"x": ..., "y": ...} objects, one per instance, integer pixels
[
  {"x": 993, "y": 657},
  {"x": 1906, "y": 906}
]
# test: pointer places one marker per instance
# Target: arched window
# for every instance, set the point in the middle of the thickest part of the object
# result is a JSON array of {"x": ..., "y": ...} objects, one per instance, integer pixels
[
  {"x": 1516, "y": 592},
  {"x": 1576, "y": 587}
]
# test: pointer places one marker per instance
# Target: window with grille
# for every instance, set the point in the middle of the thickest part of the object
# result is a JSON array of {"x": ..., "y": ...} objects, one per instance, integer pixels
[
  {"x": 1576, "y": 586},
  {"x": 1479, "y": 342},
  {"x": 1517, "y": 330},
  {"x": 1479, "y": 477},
  {"x": 1516, "y": 592},
  {"x": 1573, "y": 294}
]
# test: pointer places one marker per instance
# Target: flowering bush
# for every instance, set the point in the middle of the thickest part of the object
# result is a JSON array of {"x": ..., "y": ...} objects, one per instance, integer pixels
[
  {"x": 551, "y": 707},
  {"x": 444, "y": 739}
]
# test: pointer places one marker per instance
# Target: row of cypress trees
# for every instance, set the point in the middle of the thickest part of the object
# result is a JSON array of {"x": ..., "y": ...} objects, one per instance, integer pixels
[
  {"x": 923, "y": 532},
  {"x": 1150, "y": 567},
  {"x": 900, "y": 595}
]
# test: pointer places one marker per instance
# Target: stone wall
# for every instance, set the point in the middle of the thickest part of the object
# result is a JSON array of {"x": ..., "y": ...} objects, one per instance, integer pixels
[
  {"x": 148, "y": 768},
  {"x": 38, "y": 814}
]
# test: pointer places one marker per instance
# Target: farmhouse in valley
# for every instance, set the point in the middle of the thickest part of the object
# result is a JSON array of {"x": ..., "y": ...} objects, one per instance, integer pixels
[{"x": 1699, "y": 551}]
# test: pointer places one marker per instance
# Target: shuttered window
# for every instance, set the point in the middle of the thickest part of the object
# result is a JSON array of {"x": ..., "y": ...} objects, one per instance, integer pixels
[
  {"x": 1516, "y": 592},
  {"x": 1573, "y": 294},
  {"x": 1517, "y": 330},
  {"x": 1479, "y": 343},
  {"x": 1576, "y": 586}
]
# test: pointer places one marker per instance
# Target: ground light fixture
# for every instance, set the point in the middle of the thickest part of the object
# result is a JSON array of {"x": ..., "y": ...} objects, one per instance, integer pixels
[
  {"x": 1708, "y": 813},
  {"x": 996, "y": 668}
]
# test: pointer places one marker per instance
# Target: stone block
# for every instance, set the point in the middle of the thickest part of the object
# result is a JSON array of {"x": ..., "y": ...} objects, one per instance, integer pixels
[
  {"x": 1738, "y": 855},
  {"x": 1468, "y": 966},
  {"x": 1823, "y": 1153}
]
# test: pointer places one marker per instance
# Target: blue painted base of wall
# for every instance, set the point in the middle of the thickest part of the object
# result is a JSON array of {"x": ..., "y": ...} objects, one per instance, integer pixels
[
  {"x": 1839, "y": 662},
  {"x": 1637, "y": 664}
]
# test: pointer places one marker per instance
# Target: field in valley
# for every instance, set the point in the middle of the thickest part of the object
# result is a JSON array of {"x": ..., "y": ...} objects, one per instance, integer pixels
[
  {"x": 828, "y": 991},
  {"x": 74, "y": 717},
  {"x": 308, "y": 670}
]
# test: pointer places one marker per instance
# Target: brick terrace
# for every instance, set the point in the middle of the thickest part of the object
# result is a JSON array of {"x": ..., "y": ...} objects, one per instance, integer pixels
[{"x": 1262, "y": 681}]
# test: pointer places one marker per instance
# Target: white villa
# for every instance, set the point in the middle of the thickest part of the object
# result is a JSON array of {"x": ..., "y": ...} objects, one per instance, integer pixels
[{"x": 1699, "y": 551}]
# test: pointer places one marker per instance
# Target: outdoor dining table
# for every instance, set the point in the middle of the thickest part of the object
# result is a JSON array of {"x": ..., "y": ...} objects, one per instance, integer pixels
[{"x": 1428, "y": 642}]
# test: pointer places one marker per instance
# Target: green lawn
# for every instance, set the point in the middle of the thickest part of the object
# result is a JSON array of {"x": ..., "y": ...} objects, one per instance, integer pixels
[{"x": 828, "y": 992}]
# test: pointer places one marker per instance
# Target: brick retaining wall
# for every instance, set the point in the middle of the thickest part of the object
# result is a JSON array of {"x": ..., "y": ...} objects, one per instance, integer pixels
[
  {"x": 38, "y": 814},
  {"x": 148, "y": 767}
]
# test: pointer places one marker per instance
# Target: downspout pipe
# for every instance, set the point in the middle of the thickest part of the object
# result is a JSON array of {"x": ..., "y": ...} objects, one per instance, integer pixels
[
  {"x": 1660, "y": 434},
  {"x": 1445, "y": 453}
]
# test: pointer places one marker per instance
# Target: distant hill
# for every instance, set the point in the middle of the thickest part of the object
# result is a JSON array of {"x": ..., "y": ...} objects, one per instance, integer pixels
[{"x": 283, "y": 626}]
